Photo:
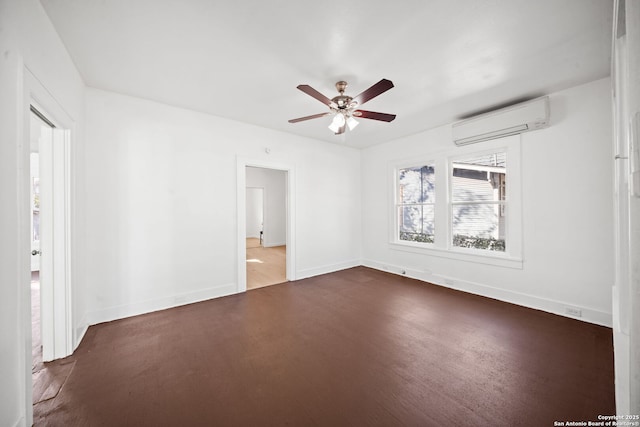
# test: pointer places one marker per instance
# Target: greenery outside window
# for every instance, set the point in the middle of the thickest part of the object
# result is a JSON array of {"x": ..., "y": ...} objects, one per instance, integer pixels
[
  {"x": 478, "y": 201},
  {"x": 477, "y": 217}
]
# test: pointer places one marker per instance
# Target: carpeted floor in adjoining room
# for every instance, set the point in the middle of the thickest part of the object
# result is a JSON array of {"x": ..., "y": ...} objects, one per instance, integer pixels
[{"x": 355, "y": 347}]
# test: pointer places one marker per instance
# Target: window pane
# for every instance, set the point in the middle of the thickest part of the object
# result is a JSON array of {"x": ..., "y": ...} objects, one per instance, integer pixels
[
  {"x": 417, "y": 185},
  {"x": 479, "y": 178},
  {"x": 416, "y": 223},
  {"x": 479, "y": 226}
]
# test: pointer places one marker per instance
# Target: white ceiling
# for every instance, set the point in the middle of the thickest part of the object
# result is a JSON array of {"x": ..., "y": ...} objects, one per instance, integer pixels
[{"x": 243, "y": 59}]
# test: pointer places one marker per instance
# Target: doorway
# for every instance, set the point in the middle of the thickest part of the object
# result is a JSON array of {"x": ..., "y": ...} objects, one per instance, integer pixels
[
  {"x": 46, "y": 195},
  {"x": 46, "y": 380},
  {"x": 265, "y": 236},
  {"x": 266, "y": 221}
]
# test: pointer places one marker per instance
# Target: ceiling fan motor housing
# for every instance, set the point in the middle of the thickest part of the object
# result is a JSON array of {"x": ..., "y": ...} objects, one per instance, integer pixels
[{"x": 342, "y": 101}]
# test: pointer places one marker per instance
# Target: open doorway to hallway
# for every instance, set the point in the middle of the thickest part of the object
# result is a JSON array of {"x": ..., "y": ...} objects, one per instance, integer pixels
[
  {"x": 266, "y": 226},
  {"x": 47, "y": 379}
]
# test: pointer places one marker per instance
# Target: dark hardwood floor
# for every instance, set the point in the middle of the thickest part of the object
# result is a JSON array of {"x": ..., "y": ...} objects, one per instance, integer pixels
[{"x": 354, "y": 348}]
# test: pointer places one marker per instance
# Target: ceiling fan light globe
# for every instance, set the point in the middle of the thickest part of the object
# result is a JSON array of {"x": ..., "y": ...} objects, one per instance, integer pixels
[
  {"x": 352, "y": 123},
  {"x": 334, "y": 127}
]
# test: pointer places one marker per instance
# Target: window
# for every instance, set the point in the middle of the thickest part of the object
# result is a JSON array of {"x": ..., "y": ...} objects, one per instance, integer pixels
[
  {"x": 478, "y": 201},
  {"x": 415, "y": 205},
  {"x": 472, "y": 214}
]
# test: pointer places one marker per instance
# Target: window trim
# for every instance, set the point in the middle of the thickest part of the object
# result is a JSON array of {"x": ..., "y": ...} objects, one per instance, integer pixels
[
  {"x": 443, "y": 244},
  {"x": 398, "y": 204},
  {"x": 451, "y": 160}
]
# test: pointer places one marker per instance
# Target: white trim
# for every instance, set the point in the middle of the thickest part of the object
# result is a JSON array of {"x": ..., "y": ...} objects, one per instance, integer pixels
[
  {"x": 273, "y": 244},
  {"x": 442, "y": 245},
  {"x": 330, "y": 268},
  {"x": 34, "y": 93},
  {"x": 530, "y": 301},
  {"x": 47, "y": 267},
  {"x": 157, "y": 304},
  {"x": 57, "y": 338},
  {"x": 241, "y": 181},
  {"x": 498, "y": 259}
]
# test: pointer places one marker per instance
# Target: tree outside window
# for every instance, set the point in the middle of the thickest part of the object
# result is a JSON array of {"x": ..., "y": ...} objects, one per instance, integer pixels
[{"x": 416, "y": 204}]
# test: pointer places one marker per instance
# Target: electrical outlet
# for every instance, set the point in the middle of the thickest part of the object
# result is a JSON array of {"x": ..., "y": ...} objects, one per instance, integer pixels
[
  {"x": 576, "y": 312},
  {"x": 403, "y": 272}
]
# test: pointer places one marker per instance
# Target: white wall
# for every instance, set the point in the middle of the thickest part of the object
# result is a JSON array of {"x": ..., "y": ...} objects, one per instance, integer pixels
[
  {"x": 274, "y": 183},
  {"x": 161, "y": 185},
  {"x": 27, "y": 39},
  {"x": 567, "y": 214},
  {"x": 255, "y": 211}
]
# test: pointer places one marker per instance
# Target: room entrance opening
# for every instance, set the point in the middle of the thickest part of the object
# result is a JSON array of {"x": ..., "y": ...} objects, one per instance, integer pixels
[{"x": 265, "y": 224}]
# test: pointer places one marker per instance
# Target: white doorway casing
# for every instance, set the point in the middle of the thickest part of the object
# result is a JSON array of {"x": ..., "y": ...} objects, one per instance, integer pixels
[
  {"x": 55, "y": 268},
  {"x": 241, "y": 191}
]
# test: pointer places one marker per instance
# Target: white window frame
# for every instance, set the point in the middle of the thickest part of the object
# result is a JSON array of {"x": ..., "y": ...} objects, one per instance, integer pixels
[
  {"x": 451, "y": 203},
  {"x": 443, "y": 244},
  {"x": 397, "y": 204}
]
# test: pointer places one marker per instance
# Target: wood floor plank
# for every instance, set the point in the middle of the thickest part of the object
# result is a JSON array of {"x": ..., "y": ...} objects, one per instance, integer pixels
[
  {"x": 355, "y": 347},
  {"x": 265, "y": 266}
]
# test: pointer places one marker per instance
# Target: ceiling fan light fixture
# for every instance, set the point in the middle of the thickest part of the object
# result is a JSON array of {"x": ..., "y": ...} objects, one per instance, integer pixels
[
  {"x": 344, "y": 107},
  {"x": 337, "y": 122}
]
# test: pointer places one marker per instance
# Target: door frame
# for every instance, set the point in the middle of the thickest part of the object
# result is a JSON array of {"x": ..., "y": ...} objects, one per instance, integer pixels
[
  {"x": 241, "y": 202},
  {"x": 59, "y": 334}
]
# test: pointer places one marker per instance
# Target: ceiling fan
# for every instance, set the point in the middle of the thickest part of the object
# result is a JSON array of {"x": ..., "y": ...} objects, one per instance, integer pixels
[{"x": 344, "y": 108}]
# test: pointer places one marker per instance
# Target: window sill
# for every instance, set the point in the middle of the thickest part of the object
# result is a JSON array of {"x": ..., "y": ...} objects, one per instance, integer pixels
[{"x": 466, "y": 255}]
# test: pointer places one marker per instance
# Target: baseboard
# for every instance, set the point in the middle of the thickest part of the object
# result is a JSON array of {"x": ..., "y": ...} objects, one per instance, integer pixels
[
  {"x": 134, "y": 309},
  {"x": 316, "y": 271},
  {"x": 273, "y": 245},
  {"x": 80, "y": 331},
  {"x": 530, "y": 301}
]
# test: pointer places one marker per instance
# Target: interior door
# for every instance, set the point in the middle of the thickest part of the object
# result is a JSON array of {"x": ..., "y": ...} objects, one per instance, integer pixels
[
  {"x": 46, "y": 243},
  {"x": 50, "y": 252},
  {"x": 35, "y": 212}
]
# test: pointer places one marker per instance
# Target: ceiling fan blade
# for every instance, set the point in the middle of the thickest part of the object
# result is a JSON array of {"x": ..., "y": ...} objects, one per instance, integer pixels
[
  {"x": 315, "y": 116},
  {"x": 342, "y": 129},
  {"x": 383, "y": 117},
  {"x": 375, "y": 90},
  {"x": 314, "y": 93}
]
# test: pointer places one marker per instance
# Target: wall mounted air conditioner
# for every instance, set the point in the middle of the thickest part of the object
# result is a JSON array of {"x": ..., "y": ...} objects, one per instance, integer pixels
[{"x": 524, "y": 117}]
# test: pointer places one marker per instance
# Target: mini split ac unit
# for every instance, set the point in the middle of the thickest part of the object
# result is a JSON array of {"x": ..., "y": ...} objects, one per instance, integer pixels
[{"x": 524, "y": 117}]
